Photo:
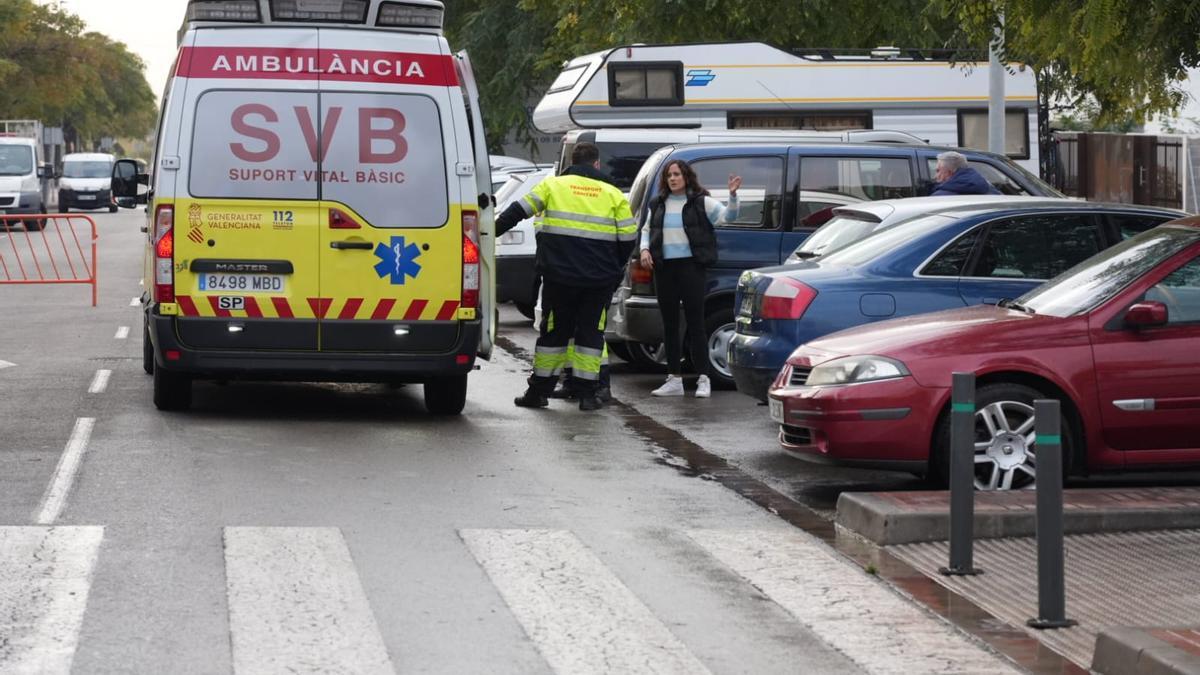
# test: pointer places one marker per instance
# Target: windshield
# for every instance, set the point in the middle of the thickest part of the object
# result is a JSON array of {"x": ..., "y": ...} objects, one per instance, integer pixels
[
  {"x": 883, "y": 241},
  {"x": 96, "y": 169},
  {"x": 840, "y": 231},
  {"x": 1105, "y": 274},
  {"x": 16, "y": 160}
]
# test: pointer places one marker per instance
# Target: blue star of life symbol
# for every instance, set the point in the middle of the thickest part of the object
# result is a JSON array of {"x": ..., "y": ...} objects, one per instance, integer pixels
[{"x": 398, "y": 261}]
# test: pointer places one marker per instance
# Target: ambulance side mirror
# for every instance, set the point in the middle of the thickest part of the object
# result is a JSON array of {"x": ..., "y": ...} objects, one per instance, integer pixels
[{"x": 125, "y": 181}]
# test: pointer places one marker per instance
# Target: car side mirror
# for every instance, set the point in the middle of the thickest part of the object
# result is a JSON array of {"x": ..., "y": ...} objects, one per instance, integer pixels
[
  {"x": 46, "y": 171},
  {"x": 1146, "y": 314},
  {"x": 125, "y": 181}
]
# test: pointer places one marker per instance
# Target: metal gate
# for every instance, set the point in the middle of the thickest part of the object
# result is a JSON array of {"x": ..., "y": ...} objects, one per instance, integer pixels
[{"x": 1123, "y": 168}]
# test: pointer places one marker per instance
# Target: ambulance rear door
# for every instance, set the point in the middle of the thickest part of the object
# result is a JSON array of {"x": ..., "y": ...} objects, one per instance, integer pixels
[
  {"x": 245, "y": 234},
  {"x": 390, "y": 241},
  {"x": 483, "y": 190}
]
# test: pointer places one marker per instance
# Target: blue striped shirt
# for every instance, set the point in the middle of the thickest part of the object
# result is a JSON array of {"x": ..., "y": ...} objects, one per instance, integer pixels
[{"x": 675, "y": 241}]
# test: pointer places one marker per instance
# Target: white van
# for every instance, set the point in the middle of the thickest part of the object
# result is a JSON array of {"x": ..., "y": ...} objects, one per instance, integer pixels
[
  {"x": 85, "y": 182},
  {"x": 320, "y": 202},
  {"x": 516, "y": 250},
  {"x": 22, "y": 178}
]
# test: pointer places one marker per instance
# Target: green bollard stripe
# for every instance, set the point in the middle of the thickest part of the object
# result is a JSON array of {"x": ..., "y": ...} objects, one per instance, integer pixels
[
  {"x": 1048, "y": 440},
  {"x": 962, "y": 407}
]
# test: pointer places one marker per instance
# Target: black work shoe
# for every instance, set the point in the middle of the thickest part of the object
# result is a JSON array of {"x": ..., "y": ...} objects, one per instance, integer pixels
[
  {"x": 531, "y": 399},
  {"x": 563, "y": 391},
  {"x": 604, "y": 394},
  {"x": 590, "y": 403}
]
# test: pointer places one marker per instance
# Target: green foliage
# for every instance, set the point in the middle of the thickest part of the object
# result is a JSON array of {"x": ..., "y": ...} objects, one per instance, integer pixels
[
  {"x": 1127, "y": 56},
  {"x": 51, "y": 70}
]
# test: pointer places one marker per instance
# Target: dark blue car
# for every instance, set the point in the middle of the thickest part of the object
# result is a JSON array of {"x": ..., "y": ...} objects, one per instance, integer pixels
[
  {"x": 788, "y": 190},
  {"x": 947, "y": 259}
]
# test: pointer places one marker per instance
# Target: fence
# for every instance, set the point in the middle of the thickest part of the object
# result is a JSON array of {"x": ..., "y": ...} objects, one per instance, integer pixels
[
  {"x": 48, "y": 249},
  {"x": 1123, "y": 168}
]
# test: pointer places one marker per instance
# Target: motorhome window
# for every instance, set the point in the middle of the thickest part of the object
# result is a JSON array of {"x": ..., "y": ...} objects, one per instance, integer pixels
[
  {"x": 645, "y": 84},
  {"x": 973, "y": 131},
  {"x": 567, "y": 79},
  {"x": 761, "y": 196},
  {"x": 97, "y": 169},
  {"x": 849, "y": 180},
  {"x": 840, "y": 121},
  {"x": 991, "y": 174}
]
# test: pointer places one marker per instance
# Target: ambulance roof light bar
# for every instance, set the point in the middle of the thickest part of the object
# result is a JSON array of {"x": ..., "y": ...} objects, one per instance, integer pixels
[{"x": 416, "y": 15}]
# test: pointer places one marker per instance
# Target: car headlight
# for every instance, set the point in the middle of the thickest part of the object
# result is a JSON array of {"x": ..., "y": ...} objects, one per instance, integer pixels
[{"x": 854, "y": 369}]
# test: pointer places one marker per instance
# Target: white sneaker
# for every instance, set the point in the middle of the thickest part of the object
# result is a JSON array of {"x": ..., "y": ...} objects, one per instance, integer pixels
[
  {"x": 672, "y": 387},
  {"x": 703, "y": 387}
]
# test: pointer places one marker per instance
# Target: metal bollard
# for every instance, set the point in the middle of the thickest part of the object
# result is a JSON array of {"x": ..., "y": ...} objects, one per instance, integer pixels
[
  {"x": 1052, "y": 603},
  {"x": 962, "y": 477}
]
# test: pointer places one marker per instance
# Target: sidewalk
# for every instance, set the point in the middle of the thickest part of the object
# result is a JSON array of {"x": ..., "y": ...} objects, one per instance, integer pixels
[{"x": 1132, "y": 561}]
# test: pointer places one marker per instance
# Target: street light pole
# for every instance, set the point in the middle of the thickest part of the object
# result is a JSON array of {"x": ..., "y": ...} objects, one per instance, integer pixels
[{"x": 996, "y": 91}]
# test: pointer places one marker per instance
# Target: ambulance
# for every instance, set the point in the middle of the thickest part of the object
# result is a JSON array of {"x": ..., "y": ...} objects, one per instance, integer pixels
[{"x": 318, "y": 203}]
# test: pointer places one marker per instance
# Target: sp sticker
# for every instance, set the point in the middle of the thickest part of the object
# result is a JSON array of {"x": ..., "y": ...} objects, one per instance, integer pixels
[
  {"x": 231, "y": 302},
  {"x": 397, "y": 261}
]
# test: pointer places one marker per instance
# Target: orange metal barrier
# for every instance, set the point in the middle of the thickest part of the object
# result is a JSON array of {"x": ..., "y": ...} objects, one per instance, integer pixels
[{"x": 48, "y": 249}]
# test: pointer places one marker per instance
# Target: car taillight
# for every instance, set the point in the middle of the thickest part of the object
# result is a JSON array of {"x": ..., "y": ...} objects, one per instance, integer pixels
[
  {"x": 786, "y": 299},
  {"x": 639, "y": 274},
  {"x": 470, "y": 270},
  {"x": 164, "y": 254}
]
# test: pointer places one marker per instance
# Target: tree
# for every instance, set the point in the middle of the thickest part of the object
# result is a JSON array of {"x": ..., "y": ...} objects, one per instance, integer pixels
[
  {"x": 51, "y": 70},
  {"x": 1127, "y": 56}
]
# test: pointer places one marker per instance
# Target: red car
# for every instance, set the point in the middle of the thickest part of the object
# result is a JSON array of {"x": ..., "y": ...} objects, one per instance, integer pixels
[{"x": 1116, "y": 339}]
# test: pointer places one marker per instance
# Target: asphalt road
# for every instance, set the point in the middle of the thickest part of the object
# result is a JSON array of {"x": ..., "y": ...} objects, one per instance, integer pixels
[{"x": 338, "y": 528}]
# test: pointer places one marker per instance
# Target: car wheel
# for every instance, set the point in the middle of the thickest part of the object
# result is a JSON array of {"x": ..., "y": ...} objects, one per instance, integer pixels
[
  {"x": 172, "y": 391},
  {"x": 620, "y": 350},
  {"x": 1005, "y": 453},
  {"x": 646, "y": 357},
  {"x": 112, "y": 208},
  {"x": 719, "y": 326},
  {"x": 525, "y": 308},
  {"x": 147, "y": 349},
  {"x": 33, "y": 224},
  {"x": 446, "y": 395}
]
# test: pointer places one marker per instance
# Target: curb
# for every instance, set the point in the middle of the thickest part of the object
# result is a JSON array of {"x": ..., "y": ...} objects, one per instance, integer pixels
[
  {"x": 1144, "y": 651},
  {"x": 890, "y": 518}
]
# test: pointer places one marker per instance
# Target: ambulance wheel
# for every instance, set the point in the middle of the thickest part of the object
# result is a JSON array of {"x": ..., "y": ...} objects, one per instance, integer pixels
[
  {"x": 147, "y": 350},
  {"x": 525, "y": 308},
  {"x": 446, "y": 395},
  {"x": 172, "y": 391}
]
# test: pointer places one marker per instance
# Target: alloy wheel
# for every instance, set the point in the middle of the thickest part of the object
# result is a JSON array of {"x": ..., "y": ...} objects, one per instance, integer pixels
[
  {"x": 718, "y": 349},
  {"x": 1005, "y": 457}
]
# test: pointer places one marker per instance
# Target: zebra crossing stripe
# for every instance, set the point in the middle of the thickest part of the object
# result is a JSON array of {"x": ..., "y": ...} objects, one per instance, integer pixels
[
  {"x": 847, "y": 608},
  {"x": 579, "y": 615},
  {"x": 296, "y": 604},
  {"x": 45, "y": 576}
]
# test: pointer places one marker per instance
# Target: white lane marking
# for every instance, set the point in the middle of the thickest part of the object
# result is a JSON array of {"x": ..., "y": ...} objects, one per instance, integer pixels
[
  {"x": 135, "y": 302},
  {"x": 579, "y": 615},
  {"x": 45, "y": 576},
  {"x": 100, "y": 381},
  {"x": 122, "y": 333},
  {"x": 6, "y": 364},
  {"x": 852, "y": 611},
  {"x": 296, "y": 604},
  {"x": 64, "y": 475}
]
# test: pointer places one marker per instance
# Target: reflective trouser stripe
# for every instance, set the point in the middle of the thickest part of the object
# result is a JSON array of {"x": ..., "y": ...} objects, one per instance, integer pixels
[
  {"x": 550, "y": 322},
  {"x": 586, "y": 362},
  {"x": 549, "y": 361}
]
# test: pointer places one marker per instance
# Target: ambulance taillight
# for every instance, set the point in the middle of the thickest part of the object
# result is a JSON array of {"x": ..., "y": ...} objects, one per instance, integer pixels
[
  {"x": 164, "y": 254},
  {"x": 471, "y": 273}
]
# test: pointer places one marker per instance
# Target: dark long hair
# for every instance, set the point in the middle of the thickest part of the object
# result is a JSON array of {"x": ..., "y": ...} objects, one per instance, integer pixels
[{"x": 691, "y": 184}]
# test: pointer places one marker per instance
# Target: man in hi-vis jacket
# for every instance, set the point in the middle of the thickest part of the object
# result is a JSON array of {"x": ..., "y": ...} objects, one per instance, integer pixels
[{"x": 585, "y": 234}]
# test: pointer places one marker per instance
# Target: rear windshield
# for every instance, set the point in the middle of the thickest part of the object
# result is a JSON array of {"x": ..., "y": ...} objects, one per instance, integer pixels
[
  {"x": 90, "y": 169},
  {"x": 382, "y": 155},
  {"x": 16, "y": 160},
  {"x": 620, "y": 161},
  {"x": 885, "y": 241},
  {"x": 838, "y": 232}
]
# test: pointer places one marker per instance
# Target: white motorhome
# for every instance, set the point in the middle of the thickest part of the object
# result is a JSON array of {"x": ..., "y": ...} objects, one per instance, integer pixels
[{"x": 753, "y": 85}]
